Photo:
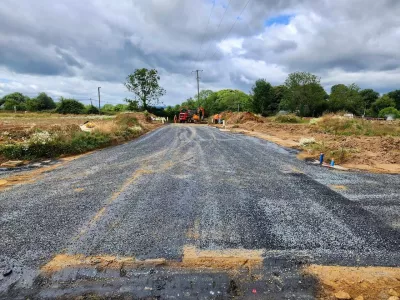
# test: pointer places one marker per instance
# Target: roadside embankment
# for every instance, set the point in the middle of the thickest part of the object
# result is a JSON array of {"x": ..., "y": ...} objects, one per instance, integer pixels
[
  {"x": 372, "y": 146},
  {"x": 34, "y": 136}
]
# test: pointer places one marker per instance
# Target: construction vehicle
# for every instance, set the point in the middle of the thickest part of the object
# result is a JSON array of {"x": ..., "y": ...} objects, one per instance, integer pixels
[{"x": 191, "y": 116}]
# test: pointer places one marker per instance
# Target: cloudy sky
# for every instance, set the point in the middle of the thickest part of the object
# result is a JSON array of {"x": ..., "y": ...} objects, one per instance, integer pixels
[{"x": 70, "y": 47}]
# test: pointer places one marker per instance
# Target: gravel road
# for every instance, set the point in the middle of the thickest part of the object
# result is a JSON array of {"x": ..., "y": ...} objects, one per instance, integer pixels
[{"x": 193, "y": 186}]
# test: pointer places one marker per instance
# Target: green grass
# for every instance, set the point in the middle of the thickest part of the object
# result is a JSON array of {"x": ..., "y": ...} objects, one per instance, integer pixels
[
  {"x": 293, "y": 119},
  {"x": 347, "y": 127},
  {"x": 69, "y": 139}
]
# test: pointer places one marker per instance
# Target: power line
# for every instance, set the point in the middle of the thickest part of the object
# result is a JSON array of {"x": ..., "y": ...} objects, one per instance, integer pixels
[
  {"x": 219, "y": 25},
  {"x": 233, "y": 25},
  {"x": 204, "y": 34}
]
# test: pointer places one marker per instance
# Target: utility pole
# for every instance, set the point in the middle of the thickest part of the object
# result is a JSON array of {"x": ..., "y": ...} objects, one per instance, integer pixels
[
  {"x": 198, "y": 83},
  {"x": 98, "y": 90}
]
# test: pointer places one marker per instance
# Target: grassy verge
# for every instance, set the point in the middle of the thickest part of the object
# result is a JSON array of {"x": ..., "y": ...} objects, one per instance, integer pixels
[{"x": 56, "y": 140}]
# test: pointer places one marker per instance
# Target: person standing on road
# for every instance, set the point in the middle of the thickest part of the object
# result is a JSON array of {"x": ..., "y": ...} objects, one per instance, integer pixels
[{"x": 175, "y": 118}]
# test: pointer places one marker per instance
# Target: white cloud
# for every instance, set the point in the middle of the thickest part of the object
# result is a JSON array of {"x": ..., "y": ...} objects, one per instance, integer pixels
[{"x": 71, "y": 47}]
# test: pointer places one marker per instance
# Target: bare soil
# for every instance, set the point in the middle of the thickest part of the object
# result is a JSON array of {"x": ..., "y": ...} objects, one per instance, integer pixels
[
  {"x": 372, "y": 283},
  {"x": 378, "y": 154}
]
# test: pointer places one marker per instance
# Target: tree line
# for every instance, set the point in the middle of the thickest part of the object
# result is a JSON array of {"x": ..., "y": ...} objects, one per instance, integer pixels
[
  {"x": 302, "y": 94},
  {"x": 44, "y": 103}
]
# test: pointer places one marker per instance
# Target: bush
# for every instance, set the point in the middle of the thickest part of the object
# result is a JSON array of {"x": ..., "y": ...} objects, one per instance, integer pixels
[
  {"x": 92, "y": 110},
  {"x": 288, "y": 119},
  {"x": 70, "y": 106},
  {"x": 126, "y": 120},
  {"x": 389, "y": 111}
]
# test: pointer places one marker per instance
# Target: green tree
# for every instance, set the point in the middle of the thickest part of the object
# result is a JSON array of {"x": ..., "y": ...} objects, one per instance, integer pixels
[
  {"x": 232, "y": 100},
  {"x": 190, "y": 104},
  {"x": 263, "y": 98},
  {"x": 144, "y": 84},
  {"x": 279, "y": 92},
  {"x": 45, "y": 102},
  {"x": 16, "y": 100},
  {"x": 395, "y": 95},
  {"x": 369, "y": 96},
  {"x": 304, "y": 95},
  {"x": 383, "y": 102},
  {"x": 120, "y": 107},
  {"x": 107, "y": 108},
  {"x": 70, "y": 106},
  {"x": 91, "y": 110},
  {"x": 133, "y": 105},
  {"x": 346, "y": 98},
  {"x": 389, "y": 111},
  {"x": 41, "y": 102},
  {"x": 32, "y": 104}
]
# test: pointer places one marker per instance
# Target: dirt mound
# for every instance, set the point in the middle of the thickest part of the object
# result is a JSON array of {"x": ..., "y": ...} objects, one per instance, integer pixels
[
  {"x": 368, "y": 282},
  {"x": 241, "y": 117}
]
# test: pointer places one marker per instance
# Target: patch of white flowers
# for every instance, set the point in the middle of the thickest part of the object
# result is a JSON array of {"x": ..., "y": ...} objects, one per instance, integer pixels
[
  {"x": 314, "y": 121},
  {"x": 5, "y": 133},
  {"x": 41, "y": 138},
  {"x": 136, "y": 129},
  {"x": 307, "y": 141}
]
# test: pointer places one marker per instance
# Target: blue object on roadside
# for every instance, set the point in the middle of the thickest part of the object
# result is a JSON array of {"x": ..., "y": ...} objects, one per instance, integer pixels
[
  {"x": 332, "y": 162},
  {"x": 321, "y": 159}
]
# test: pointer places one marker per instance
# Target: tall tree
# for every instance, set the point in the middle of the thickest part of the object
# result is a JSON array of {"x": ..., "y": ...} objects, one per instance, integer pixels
[
  {"x": 346, "y": 98},
  {"x": 15, "y": 100},
  {"x": 369, "y": 96},
  {"x": 263, "y": 98},
  {"x": 305, "y": 95},
  {"x": 395, "y": 95},
  {"x": 232, "y": 100},
  {"x": 279, "y": 94},
  {"x": 383, "y": 102},
  {"x": 45, "y": 102},
  {"x": 144, "y": 84}
]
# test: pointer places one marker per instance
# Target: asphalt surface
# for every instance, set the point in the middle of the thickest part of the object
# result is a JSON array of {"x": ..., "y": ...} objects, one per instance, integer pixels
[{"x": 194, "y": 185}]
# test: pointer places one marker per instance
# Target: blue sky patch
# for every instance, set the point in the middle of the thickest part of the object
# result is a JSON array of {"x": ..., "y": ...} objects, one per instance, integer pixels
[
  {"x": 278, "y": 20},
  {"x": 4, "y": 80}
]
